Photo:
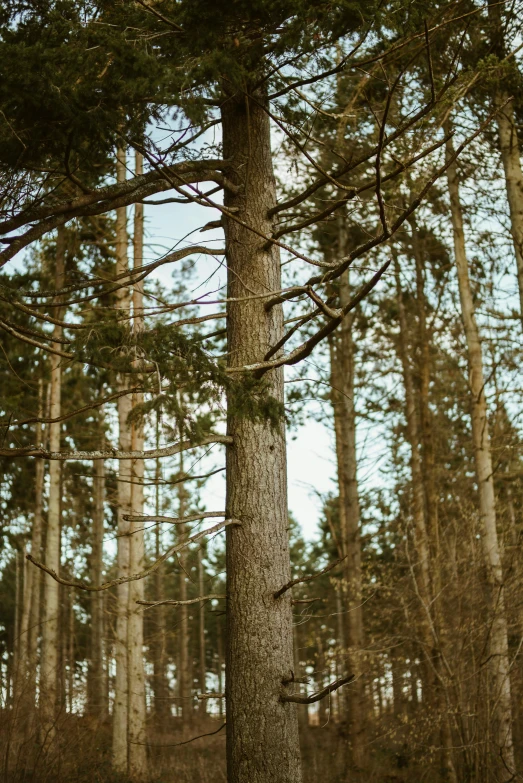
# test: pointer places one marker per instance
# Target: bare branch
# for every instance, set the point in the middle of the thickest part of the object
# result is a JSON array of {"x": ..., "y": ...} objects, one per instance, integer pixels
[
  {"x": 169, "y": 602},
  {"x": 297, "y": 699},
  {"x": 185, "y": 742},
  {"x": 65, "y": 456},
  {"x": 175, "y": 520},
  {"x": 302, "y": 579},
  {"x": 134, "y": 577}
]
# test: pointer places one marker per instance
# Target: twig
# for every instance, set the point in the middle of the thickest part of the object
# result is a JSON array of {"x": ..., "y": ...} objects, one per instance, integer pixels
[
  {"x": 297, "y": 699},
  {"x": 202, "y": 696},
  {"x": 185, "y": 742},
  {"x": 301, "y": 579}
]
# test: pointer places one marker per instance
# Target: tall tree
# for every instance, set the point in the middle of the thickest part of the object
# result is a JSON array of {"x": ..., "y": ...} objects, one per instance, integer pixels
[{"x": 497, "y": 621}]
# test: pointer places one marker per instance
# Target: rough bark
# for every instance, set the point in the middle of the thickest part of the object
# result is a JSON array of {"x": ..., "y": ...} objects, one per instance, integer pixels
[
  {"x": 96, "y": 688},
  {"x": 503, "y": 750},
  {"x": 262, "y": 732},
  {"x": 121, "y": 696},
  {"x": 51, "y": 612},
  {"x": 137, "y": 712}
]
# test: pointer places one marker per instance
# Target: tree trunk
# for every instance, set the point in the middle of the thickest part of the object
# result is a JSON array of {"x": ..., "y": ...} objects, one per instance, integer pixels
[
  {"x": 25, "y": 692},
  {"x": 219, "y": 651},
  {"x": 499, "y": 660},
  {"x": 121, "y": 685},
  {"x": 137, "y": 712},
  {"x": 96, "y": 691},
  {"x": 425, "y": 566},
  {"x": 201, "y": 628},
  {"x": 159, "y": 642},
  {"x": 508, "y": 144},
  {"x": 185, "y": 667},
  {"x": 350, "y": 531},
  {"x": 51, "y": 613},
  {"x": 262, "y": 731}
]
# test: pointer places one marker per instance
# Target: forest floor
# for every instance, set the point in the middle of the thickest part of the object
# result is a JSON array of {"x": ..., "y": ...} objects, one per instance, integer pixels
[{"x": 80, "y": 753}]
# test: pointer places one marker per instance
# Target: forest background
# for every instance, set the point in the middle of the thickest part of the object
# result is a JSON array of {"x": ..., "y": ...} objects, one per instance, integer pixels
[{"x": 261, "y": 258}]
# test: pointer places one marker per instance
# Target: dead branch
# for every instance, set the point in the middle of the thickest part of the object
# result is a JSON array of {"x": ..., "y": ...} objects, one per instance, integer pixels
[
  {"x": 202, "y": 696},
  {"x": 300, "y": 680},
  {"x": 185, "y": 742},
  {"x": 302, "y": 579},
  {"x": 175, "y": 520},
  {"x": 168, "y": 602},
  {"x": 64, "y": 456},
  {"x": 134, "y": 577},
  {"x": 297, "y": 699}
]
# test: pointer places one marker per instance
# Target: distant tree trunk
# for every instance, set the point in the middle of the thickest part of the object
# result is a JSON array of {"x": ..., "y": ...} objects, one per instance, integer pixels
[
  {"x": 431, "y": 503},
  {"x": 201, "y": 628},
  {"x": 342, "y": 379},
  {"x": 508, "y": 143},
  {"x": 96, "y": 691},
  {"x": 159, "y": 646},
  {"x": 262, "y": 731},
  {"x": 71, "y": 655},
  {"x": 137, "y": 710},
  {"x": 219, "y": 645},
  {"x": 185, "y": 667},
  {"x": 51, "y": 613},
  {"x": 303, "y": 709},
  {"x": 25, "y": 691},
  {"x": 425, "y": 567},
  {"x": 499, "y": 660},
  {"x": 121, "y": 685}
]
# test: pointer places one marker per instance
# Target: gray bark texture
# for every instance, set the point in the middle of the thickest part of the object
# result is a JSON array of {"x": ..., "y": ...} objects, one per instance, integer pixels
[{"x": 262, "y": 732}]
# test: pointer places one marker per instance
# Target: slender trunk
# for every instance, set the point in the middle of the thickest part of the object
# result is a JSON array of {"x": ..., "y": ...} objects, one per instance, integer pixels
[
  {"x": 428, "y": 468},
  {"x": 422, "y": 562},
  {"x": 262, "y": 731},
  {"x": 426, "y": 566},
  {"x": 121, "y": 685},
  {"x": 201, "y": 628},
  {"x": 71, "y": 655},
  {"x": 185, "y": 668},
  {"x": 50, "y": 638},
  {"x": 29, "y": 625},
  {"x": 219, "y": 645},
  {"x": 342, "y": 381},
  {"x": 137, "y": 708},
  {"x": 97, "y": 704},
  {"x": 159, "y": 650},
  {"x": 303, "y": 709},
  {"x": 508, "y": 144},
  {"x": 498, "y": 641}
]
